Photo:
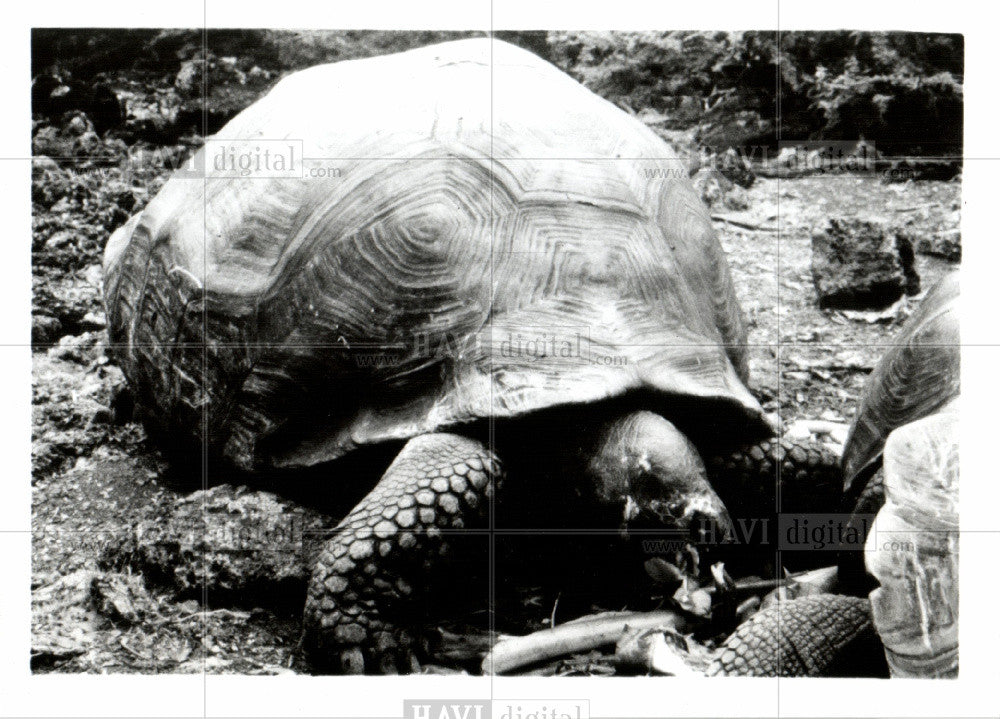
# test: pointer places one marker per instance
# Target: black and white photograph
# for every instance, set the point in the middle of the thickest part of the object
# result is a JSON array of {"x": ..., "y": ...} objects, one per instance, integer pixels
[{"x": 553, "y": 370}]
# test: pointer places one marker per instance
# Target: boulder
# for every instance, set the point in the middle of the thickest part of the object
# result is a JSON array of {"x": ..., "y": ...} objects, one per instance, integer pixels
[
  {"x": 239, "y": 545},
  {"x": 860, "y": 264}
]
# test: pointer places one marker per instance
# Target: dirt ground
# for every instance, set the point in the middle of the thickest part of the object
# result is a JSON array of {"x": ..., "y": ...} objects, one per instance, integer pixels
[{"x": 94, "y": 472}]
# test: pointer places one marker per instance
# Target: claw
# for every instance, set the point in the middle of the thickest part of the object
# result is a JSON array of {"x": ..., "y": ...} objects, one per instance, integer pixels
[
  {"x": 413, "y": 665},
  {"x": 352, "y": 661}
]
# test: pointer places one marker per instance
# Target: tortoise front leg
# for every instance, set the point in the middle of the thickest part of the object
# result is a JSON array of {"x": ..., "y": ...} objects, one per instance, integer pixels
[
  {"x": 380, "y": 556},
  {"x": 802, "y": 473},
  {"x": 768, "y": 485}
]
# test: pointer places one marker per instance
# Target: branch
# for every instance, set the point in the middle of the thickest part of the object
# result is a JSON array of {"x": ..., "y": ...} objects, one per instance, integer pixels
[{"x": 578, "y": 636}]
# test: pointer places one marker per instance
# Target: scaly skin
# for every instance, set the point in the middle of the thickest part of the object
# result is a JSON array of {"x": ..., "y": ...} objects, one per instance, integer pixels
[
  {"x": 872, "y": 496},
  {"x": 818, "y": 635},
  {"x": 853, "y": 576},
  {"x": 381, "y": 552},
  {"x": 807, "y": 474},
  {"x": 760, "y": 482}
]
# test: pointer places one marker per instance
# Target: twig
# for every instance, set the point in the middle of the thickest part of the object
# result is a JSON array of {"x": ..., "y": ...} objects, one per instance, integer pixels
[
  {"x": 138, "y": 655},
  {"x": 744, "y": 225},
  {"x": 755, "y": 586},
  {"x": 579, "y": 636},
  {"x": 234, "y": 613},
  {"x": 815, "y": 577}
]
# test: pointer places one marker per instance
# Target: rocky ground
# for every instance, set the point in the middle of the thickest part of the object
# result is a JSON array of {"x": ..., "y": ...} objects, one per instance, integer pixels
[{"x": 107, "y": 598}]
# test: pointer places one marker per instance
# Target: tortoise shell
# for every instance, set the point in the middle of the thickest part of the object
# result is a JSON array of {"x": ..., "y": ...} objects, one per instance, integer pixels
[
  {"x": 918, "y": 376},
  {"x": 473, "y": 234}
]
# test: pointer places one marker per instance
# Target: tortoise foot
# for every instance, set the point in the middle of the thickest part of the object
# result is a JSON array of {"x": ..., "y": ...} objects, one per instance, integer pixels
[
  {"x": 354, "y": 639},
  {"x": 819, "y": 635},
  {"x": 366, "y": 602}
]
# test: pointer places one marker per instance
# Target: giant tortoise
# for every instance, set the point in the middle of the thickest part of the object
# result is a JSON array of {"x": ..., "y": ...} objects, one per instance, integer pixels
[
  {"x": 903, "y": 447},
  {"x": 478, "y": 262},
  {"x": 918, "y": 376}
]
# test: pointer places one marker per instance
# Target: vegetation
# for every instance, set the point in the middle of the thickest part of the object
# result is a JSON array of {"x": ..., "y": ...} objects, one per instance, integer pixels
[{"x": 900, "y": 91}]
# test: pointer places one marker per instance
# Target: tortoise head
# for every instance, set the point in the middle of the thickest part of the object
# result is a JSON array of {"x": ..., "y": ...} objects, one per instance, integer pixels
[{"x": 642, "y": 471}]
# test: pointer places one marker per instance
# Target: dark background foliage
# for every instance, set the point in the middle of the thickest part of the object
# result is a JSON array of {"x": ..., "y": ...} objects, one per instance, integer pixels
[{"x": 899, "y": 91}]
